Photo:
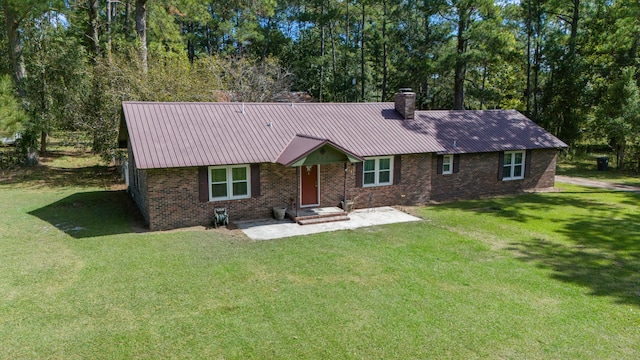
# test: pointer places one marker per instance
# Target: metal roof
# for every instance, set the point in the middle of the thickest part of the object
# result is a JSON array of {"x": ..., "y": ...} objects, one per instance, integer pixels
[
  {"x": 467, "y": 131},
  {"x": 165, "y": 135}
]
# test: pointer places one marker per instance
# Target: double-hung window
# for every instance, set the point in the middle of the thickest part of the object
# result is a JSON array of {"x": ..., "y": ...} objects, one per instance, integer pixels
[
  {"x": 513, "y": 165},
  {"x": 377, "y": 171},
  {"x": 229, "y": 182},
  {"x": 447, "y": 164}
]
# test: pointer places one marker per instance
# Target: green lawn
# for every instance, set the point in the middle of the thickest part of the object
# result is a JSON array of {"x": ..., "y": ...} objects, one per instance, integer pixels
[{"x": 553, "y": 276}]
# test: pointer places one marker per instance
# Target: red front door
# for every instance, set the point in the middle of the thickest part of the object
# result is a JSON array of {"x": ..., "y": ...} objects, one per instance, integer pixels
[{"x": 309, "y": 180}]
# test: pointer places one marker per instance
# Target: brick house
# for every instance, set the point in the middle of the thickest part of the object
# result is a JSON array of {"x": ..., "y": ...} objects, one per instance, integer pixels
[{"x": 186, "y": 159}]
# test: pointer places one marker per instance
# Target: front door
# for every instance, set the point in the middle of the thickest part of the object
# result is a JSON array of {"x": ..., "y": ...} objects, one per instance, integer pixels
[{"x": 309, "y": 176}]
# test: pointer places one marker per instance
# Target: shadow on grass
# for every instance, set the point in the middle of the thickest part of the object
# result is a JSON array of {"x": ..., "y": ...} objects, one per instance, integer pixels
[
  {"x": 527, "y": 207},
  {"x": 604, "y": 255},
  {"x": 43, "y": 175},
  {"x": 93, "y": 214},
  {"x": 598, "y": 242}
]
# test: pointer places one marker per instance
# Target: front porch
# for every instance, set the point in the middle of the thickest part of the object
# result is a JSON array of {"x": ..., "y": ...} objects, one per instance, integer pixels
[
  {"x": 316, "y": 188},
  {"x": 268, "y": 229}
]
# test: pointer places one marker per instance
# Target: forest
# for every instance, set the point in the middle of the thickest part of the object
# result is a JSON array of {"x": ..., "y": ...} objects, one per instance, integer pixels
[{"x": 569, "y": 65}]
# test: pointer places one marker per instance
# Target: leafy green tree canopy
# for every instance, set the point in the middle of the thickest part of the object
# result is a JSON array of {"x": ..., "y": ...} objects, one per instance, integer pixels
[{"x": 12, "y": 116}]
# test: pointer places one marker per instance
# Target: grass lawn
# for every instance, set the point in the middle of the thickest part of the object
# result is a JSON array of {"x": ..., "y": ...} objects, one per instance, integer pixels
[{"x": 552, "y": 276}]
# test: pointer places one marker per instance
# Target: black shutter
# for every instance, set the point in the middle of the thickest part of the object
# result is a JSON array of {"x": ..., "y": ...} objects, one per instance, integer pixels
[
  {"x": 527, "y": 164},
  {"x": 397, "y": 169},
  {"x": 203, "y": 183},
  {"x": 359, "y": 170},
  {"x": 440, "y": 164},
  {"x": 255, "y": 180},
  {"x": 500, "y": 165},
  {"x": 456, "y": 163}
]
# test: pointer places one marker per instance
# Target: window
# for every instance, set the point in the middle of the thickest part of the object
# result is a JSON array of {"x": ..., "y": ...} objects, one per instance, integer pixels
[
  {"x": 377, "y": 171},
  {"x": 447, "y": 164},
  {"x": 513, "y": 165},
  {"x": 229, "y": 182}
]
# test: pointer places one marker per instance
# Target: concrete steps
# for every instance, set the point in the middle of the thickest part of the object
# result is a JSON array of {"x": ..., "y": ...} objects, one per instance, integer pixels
[
  {"x": 318, "y": 215},
  {"x": 320, "y": 219}
]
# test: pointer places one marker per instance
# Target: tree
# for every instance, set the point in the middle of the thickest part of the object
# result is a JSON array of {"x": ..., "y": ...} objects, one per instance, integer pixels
[
  {"x": 93, "y": 25},
  {"x": 12, "y": 116},
  {"x": 141, "y": 30},
  {"x": 5, "y": 62},
  {"x": 255, "y": 82},
  {"x": 466, "y": 15},
  {"x": 557, "y": 60},
  {"x": 57, "y": 75},
  {"x": 618, "y": 117},
  {"x": 12, "y": 19}
]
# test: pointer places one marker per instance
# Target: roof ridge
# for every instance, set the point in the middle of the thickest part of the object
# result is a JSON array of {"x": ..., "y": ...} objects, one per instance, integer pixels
[
  {"x": 287, "y": 104},
  {"x": 312, "y": 137}
]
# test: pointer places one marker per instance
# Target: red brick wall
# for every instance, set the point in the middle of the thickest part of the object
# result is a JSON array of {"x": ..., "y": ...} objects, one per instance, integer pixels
[
  {"x": 138, "y": 186},
  {"x": 173, "y": 197},
  {"x": 173, "y": 201},
  {"x": 478, "y": 176},
  {"x": 414, "y": 187}
]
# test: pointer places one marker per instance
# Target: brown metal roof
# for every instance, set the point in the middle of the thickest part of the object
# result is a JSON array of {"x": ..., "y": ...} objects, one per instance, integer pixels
[
  {"x": 466, "y": 131},
  {"x": 167, "y": 135}
]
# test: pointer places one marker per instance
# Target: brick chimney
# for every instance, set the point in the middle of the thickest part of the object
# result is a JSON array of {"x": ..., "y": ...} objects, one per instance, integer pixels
[{"x": 406, "y": 103}]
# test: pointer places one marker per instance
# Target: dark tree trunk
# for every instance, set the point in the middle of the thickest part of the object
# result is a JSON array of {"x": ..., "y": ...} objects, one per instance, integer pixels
[
  {"x": 44, "y": 108},
  {"x": 569, "y": 74},
  {"x": 191, "y": 48},
  {"x": 347, "y": 37},
  {"x": 484, "y": 85},
  {"x": 108, "y": 25},
  {"x": 92, "y": 28},
  {"x": 322, "y": 50},
  {"x": 43, "y": 143},
  {"x": 362, "y": 52},
  {"x": 141, "y": 29},
  {"x": 384, "y": 50},
  {"x": 12, "y": 22},
  {"x": 573, "y": 36},
  {"x": 529, "y": 36},
  {"x": 536, "y": 81},
  {"x": 460, "y": 64},
  {"x": 265, "y": 46},
  {"x": 334, "y": 59},
  {"x": 537, "y": 59},
  {"x": 127, "y": 18}
]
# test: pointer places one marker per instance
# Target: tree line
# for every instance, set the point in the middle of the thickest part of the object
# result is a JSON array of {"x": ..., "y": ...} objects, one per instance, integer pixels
[{"x": 570, "y": 65}]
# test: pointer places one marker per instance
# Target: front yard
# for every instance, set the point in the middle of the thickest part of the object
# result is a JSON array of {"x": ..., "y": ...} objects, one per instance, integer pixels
[{"x": 553, "y": 275}]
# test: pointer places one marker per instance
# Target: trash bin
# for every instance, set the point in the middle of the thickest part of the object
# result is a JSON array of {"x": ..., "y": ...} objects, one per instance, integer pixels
[{"x": 603, "y": 163}]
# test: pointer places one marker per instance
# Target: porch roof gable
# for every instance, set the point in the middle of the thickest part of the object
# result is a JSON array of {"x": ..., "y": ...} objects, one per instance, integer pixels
[{"x": 311, "y": 150}]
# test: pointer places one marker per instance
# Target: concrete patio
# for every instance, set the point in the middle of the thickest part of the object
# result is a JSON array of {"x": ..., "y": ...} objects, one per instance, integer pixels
[{"x": 268, "y": 229}]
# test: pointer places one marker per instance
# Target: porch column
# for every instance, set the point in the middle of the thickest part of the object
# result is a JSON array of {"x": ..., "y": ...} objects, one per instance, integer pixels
[
  {"x": 344, "y": 196},
  {"x": 298, "y": 184}
]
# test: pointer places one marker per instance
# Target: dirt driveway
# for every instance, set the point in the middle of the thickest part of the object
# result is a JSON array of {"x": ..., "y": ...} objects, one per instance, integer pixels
[{"x": 596, "y": 183}]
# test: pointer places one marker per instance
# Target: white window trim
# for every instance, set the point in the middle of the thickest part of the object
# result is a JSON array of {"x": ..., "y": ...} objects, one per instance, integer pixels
[
  {"x": 447, "y": 160},
  {"x": 376, "y": 171},
  {"x": 512, "y": 165},
  {"x": 230, "y": 182}
]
